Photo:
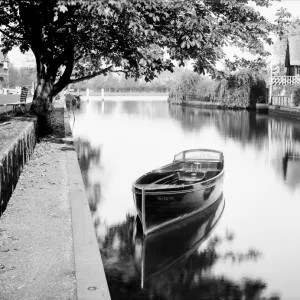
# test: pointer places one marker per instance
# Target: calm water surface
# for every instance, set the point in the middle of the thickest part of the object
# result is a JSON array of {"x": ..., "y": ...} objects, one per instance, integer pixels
[{"x": 248, "y": 250}]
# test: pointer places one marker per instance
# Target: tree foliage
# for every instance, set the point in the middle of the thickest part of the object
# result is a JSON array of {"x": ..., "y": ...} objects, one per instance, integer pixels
[
  {"x": 192, "y": 84},
  {"x": 78, "y": 40},
  {"x": 241, "y": 89},
  {"x": 118, "y": 83}
]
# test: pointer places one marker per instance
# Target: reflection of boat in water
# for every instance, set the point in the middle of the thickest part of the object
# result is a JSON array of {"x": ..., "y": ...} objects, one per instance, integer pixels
[
  {"x": 190, "y": 184},
  {"x": 159, "y": 251}
]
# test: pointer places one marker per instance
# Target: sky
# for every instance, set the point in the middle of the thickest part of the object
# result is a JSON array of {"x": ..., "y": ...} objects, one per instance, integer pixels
[{"x": 293, "y": 6}]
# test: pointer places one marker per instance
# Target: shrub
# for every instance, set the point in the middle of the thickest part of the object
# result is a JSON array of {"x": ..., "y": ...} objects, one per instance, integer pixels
[
  {"x": 296, "y": 97},
  {"x": 241, "y": 89},
  {"x": 191, "y": 84}
]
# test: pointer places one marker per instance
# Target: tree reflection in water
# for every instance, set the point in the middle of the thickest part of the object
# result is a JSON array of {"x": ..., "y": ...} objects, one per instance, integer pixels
[
  {"x": 189, "y": 278},
  {"x": 238, "y": 125},
  {"x": 89, "y": 158}
]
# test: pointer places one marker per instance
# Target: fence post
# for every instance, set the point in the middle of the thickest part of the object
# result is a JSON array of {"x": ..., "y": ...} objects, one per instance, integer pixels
[
  {"x": 87, "y": 94},
  {"x": 291, "y": 100}
]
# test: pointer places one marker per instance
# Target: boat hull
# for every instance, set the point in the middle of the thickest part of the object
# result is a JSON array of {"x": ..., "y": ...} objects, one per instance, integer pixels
[
  {"x": 162, "y": 208},
  {"x": 162, "y": 249}
]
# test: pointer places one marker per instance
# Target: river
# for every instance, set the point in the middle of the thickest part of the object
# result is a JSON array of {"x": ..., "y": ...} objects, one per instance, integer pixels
[{"x": 252, "y": 249}]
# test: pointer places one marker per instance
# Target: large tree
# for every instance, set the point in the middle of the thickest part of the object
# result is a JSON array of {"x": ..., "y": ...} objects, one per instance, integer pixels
[{"x": 77, "y": 40}]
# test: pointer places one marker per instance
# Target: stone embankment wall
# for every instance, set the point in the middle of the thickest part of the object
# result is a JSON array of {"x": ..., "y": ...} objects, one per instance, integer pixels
[{"x": 12, "y": 160}]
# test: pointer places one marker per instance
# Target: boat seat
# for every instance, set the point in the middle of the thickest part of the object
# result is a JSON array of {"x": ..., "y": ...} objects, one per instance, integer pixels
[{"x": 191, "y": 176}]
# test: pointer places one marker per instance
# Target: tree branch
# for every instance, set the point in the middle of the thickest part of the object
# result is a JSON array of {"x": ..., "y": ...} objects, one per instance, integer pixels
[
  {"x": 92, "y": 75},
  {"x": 224, "y": 74},
  {"x": 78, "y": 58},
  {"x": 11, "y": 37},
  {"x": 13, "y": 29},
  {"x": 65, "y": 78}
]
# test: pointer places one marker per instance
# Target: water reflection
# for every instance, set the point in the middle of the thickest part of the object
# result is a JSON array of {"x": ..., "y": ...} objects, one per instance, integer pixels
[
  {"x": 284, "y": 143},
  {"x": 147, "y": 109},
  {"x": 238, "y": 125},
  {"x": 107, "y": 108},
  {"x": 172, "y": 264},
  {"x": 156, "y": 253},
  {"x": 89, "y": 161},
  {"x": 118, "y": 141}
]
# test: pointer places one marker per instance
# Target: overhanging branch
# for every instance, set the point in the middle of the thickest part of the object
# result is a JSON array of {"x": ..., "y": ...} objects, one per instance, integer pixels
[
  {"x": 11, "y": 37},
  {"x": 78, "y": 58},
  {"x": 13, "y": 29},
  {"x": 92, "y": 75}
]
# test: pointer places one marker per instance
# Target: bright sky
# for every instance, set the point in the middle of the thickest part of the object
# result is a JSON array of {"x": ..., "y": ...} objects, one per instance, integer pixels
[{"x": 293, "y": 6}]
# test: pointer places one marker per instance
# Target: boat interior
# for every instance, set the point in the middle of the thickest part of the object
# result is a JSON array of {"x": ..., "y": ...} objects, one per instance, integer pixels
[{"x": 182, "y": 172}]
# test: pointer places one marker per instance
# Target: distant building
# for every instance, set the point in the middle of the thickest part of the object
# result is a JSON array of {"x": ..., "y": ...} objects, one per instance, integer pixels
[
  {"x": 292, "y": 60},
  {"x": 4, "y": 74},
  {"x": 284, "y": 89}
]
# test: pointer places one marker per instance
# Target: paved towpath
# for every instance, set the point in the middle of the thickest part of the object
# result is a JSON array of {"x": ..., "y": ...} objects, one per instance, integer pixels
[
  {"x": 36, "y": 245},
  {"x": 48, "y": 246}
]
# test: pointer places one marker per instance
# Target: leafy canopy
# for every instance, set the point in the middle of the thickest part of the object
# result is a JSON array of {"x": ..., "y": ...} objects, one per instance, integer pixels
[{"x": 77, "y": 40}]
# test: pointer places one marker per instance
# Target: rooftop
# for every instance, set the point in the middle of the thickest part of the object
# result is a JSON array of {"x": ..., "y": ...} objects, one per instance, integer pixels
[{"x": 293, "y": 49}]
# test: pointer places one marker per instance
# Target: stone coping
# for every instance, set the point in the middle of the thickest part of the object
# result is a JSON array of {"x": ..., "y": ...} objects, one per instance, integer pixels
[
  {"x": 11, "y": 129},
  {"x": 90, "y": 275}
]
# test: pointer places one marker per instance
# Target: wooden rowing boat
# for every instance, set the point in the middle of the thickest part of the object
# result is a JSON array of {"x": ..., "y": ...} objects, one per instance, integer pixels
[{"x": 190, "y": 184}]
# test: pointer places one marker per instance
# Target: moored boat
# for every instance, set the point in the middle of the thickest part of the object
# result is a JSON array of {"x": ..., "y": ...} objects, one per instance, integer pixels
[{"x": 190, "y": 184}]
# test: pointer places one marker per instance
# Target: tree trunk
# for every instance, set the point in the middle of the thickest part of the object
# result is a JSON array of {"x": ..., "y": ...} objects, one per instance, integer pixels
[{"x": 42, "y": 106}]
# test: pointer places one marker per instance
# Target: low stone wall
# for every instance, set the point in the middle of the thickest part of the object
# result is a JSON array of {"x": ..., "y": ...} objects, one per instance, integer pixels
[
  {"x": 12, "y": 159},
  {"x": 287, "y": 112}
]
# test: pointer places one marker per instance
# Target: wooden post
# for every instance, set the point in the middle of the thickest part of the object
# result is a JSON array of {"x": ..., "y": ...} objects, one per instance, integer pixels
[
  {"x": 271, "y": 85},
  {"x": 32, "y": 88},
  {"x": 87, "y": 94},
  {"x": 102, "y": 92},
  {"x": 291, "y": 100}
]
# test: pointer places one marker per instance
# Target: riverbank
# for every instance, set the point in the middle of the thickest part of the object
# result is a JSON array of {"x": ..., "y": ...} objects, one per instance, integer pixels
[
  {"x": 201, "y": 104},
  {"x": 4, "y": 99},
  {"x": 283, "y": 111},
  {"x": 48, "y": 247},
  {"x": 286, "y": 112},
  {"x": 107, "y": 93}
]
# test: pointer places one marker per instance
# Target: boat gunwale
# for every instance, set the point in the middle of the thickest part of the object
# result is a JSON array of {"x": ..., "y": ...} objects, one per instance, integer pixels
[
  {"x": 175, "y": 189},
  {"x": 180, "y": 188}
]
